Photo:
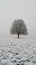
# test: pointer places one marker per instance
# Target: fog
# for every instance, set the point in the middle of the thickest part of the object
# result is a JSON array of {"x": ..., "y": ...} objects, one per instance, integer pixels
[{"x": 18, "y": 9}]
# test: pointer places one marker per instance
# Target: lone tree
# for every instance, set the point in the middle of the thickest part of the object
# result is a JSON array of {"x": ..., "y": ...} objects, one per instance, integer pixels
[{"x": 18, "y": 27}]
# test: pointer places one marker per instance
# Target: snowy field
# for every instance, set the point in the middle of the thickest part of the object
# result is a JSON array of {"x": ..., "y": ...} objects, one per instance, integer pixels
[{"x": 15, "y": 51}]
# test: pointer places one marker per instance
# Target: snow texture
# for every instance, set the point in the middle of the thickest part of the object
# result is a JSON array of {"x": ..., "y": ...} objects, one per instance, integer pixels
[{"x": 18, "y": 52}]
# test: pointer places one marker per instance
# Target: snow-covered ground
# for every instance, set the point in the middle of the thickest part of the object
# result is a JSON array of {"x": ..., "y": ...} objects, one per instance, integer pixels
[{"x": 15, "y": 51}]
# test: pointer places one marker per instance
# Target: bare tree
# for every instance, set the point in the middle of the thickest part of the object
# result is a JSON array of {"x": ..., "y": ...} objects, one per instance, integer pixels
[{"x": 18, "y": 27}]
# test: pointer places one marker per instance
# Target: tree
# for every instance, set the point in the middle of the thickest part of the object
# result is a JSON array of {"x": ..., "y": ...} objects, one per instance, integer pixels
[{"x": 18, "y": 27}]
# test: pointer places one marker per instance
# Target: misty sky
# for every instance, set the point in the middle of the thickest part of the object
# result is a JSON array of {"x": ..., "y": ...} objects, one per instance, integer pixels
[{"x": 18, "y": 9}]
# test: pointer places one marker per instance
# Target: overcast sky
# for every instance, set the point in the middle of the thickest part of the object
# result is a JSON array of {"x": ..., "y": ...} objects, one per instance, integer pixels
[{"x": 18, "y": 9}]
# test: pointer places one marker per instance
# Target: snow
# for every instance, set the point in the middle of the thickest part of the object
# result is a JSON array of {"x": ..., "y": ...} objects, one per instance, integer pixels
[{"x": 15, "y": 51}]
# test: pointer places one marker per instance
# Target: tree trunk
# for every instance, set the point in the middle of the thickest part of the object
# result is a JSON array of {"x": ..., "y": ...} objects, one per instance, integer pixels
[{"x": 18, "y": 35}]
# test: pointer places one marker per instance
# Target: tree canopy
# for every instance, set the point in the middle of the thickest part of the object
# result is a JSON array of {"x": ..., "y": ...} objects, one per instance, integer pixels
[{"x": 18, "y": 27}]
